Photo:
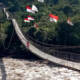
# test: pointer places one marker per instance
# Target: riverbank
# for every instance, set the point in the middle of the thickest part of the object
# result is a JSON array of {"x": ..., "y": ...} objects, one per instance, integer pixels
[{"x": 20, "y": 69}]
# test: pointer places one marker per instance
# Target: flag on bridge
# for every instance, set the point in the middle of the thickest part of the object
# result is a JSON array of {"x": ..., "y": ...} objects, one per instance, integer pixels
[
  {"x": 36, "y": 26},
  {"x": 28, "y": 44},
  {"x": 30, "y": 18},
  {"x": 34, "y": 8},
  {"x": 41, "y": 1},
  {"x": 29, "y": 9},
  {"x": 69, "y": 22},
  {"x": 26, "y": 20},
  {"x": 53, "y": 18}
]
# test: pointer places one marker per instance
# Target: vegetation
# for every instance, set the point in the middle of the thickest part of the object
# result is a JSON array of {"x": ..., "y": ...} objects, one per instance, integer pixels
[{"x": 54, "y": 33}]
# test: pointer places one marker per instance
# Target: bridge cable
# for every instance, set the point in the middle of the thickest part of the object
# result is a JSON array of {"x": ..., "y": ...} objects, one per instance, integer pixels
[{"x": 9, "y": 44}]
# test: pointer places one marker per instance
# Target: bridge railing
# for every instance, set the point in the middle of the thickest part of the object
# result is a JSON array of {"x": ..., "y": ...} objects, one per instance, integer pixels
[{"x": 55, "y": 47}]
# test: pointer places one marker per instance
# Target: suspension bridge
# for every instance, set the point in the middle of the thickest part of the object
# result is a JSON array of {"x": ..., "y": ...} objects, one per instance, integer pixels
[{"x": 39, "y": 52}]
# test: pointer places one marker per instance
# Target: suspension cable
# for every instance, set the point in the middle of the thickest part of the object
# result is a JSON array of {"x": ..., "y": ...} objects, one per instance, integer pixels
[
  {"x": 9, "y": 44},
  {"x": 50, "y": 45}
]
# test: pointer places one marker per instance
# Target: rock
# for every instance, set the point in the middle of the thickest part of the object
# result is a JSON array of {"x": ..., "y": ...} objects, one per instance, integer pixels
[{"x": 16, "y": 69}]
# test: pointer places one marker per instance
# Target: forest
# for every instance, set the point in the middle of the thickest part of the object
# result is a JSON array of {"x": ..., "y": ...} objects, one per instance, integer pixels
[{"x": 60, "y": 33}]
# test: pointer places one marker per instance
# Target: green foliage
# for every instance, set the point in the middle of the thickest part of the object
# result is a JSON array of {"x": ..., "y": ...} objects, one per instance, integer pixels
[{"x": 50, "y": 32}]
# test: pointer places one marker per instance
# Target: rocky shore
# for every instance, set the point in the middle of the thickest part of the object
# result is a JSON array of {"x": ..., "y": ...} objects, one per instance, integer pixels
[{"x": 19, "y": 69}]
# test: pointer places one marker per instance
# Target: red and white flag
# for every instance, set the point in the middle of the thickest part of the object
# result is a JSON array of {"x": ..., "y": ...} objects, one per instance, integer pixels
[
  {"x": 34, "y": 8},
  {"x": 69, "y": 22},
  {"x": 26, "y": 20},
  {"x": 53, "y": 18},
  {"x": 41, "y": 1},
  {"x": 29, "y": 9},
  {"x": 30, "y": 18}
]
